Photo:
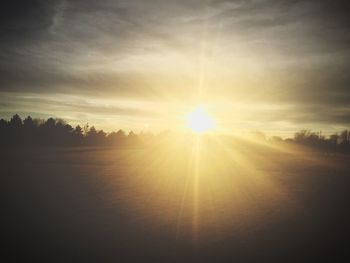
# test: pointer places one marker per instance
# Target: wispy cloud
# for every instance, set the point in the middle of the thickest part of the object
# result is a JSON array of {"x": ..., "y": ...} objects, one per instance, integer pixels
[{"x": 279, "y": 52}]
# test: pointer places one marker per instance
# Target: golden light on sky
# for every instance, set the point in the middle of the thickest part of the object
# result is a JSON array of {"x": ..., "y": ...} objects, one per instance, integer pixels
[{"x": 133, "y": 64}]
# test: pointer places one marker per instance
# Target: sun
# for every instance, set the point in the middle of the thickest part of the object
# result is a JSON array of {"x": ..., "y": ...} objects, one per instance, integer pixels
[{"x": 199, "y": 121}]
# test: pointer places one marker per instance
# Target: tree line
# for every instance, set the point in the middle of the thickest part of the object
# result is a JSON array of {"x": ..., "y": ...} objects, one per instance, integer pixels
[
  {"x": 57, "y": 132},
  {"x": 337, "y": 142}
]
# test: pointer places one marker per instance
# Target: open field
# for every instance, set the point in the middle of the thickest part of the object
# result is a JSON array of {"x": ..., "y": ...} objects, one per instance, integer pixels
[{"x": 181, "y": 202}]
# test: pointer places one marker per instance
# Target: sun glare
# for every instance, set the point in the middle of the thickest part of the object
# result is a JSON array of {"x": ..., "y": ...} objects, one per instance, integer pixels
[{"x": 199, "y": 121}]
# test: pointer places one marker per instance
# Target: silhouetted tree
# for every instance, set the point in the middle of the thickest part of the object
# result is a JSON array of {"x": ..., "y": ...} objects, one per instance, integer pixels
[
  {"x": 95, "y": 137},
  {"x": 344, "y": 137},
  {"x": 334, "y": 139},
  {"x": 132, "y": 139},
  {"x": 117, "y": 138},
  {"x": 4, "y": 132},
  {"x": 29, "y": 131},
  {"x": 86, "y": 129},
  {"x": 16, "y": 122},
  {"x": 56, "y": 132},
  {"x": 15, "y": 126},
  {"x": 307, "y": 137},
  {"x": 78, "y": 135}
]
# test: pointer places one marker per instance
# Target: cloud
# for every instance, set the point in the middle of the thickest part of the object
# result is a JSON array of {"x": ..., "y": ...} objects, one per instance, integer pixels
[{"x": 289, "y": 52}]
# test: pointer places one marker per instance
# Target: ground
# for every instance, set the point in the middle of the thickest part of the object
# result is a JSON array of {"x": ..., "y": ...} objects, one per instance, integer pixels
[{"x": 182, "y": 203}]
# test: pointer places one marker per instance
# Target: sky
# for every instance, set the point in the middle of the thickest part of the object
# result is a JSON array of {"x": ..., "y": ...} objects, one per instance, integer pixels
[{"x": 273, "y": 66}]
